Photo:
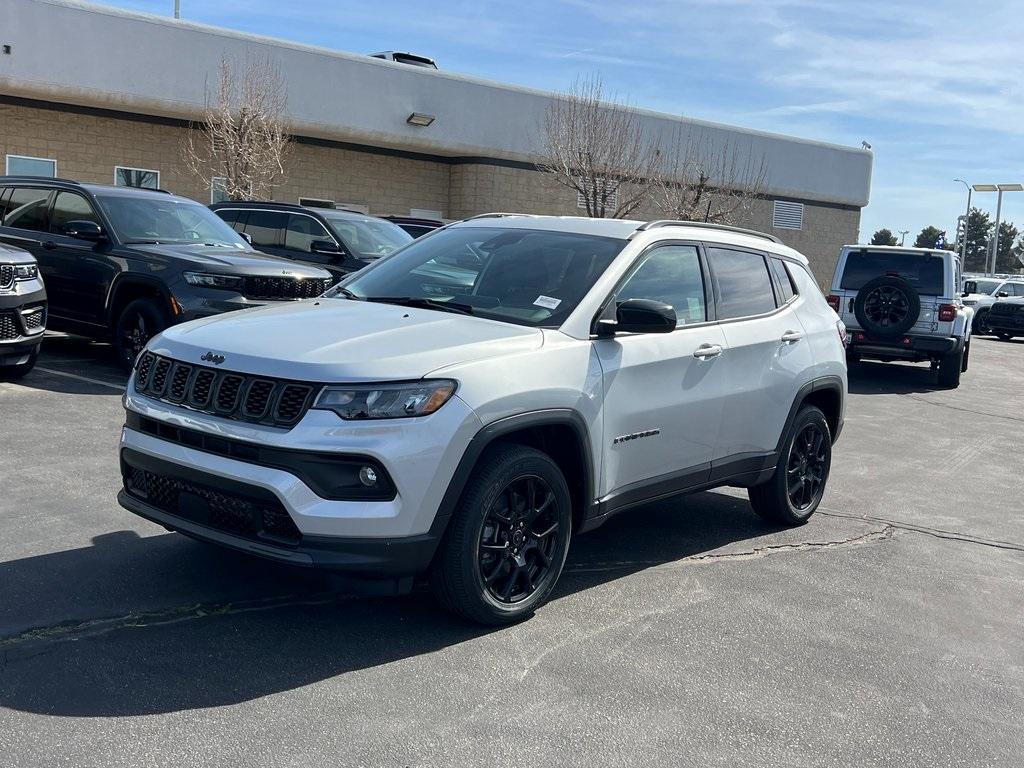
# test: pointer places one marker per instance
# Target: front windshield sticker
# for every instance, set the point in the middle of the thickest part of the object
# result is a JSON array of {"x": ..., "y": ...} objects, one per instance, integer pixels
[{"x": 547, "y": 302}]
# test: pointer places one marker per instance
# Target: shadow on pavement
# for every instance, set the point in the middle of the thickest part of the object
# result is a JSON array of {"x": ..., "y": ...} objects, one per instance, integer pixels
[
  {"x": 75, "y": 366},
  {"x": 874, "y": 378},
  {"x": 238, "y": 656}
]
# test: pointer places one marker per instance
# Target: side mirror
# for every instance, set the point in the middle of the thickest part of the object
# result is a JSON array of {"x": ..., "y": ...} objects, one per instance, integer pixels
[
  {"x": 84, "y": 230},
  {"x": 324, "y": 246},
  {"x": 1002, "y": 295},
  {"x": 639, "y": 316}
]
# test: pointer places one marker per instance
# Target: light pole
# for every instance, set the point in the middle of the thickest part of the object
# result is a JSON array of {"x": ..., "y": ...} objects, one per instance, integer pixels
[
  {"x": 967, "y": 216},
  {"x": 1000, "y": 188},
  {"x": 903, "y": 236}
]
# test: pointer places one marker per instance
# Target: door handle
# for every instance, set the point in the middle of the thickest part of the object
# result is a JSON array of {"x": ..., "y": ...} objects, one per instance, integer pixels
[
  {"x": 49, "y": 245},
  {"x": 704, "y": 351},
  {"x": 791, "y": 337}
]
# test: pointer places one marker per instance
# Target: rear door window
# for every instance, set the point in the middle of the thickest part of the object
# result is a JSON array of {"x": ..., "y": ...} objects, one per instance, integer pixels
[
  {"x": 303, "y": 231},
  {"x": 70, "y": 207},
  {"x": 266, "y": 227},
  {"x": 26, "y": 209},
  {"x": 925, "y": 272},
  {"x": 743, "y": 283},
  {"x": 784, "y": 280}
]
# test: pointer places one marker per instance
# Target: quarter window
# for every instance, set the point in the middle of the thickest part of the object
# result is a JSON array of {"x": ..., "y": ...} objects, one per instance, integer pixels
[
  {"x": 784, "y": 280},
  {"x": 744, "y": 286},
  {"x": 69, "y": 206},
  {"x": 303, "y": 231},
  {"x": 265, "y": 227},
  {"x": 26, "y": 209},
  {"x": 670, "y": 274},
  {"x": 136, "y": 177}
]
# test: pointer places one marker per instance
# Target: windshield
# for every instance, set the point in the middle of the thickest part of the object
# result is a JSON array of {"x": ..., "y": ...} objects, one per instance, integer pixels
[
  {"x": 368, "y": 238},
  {"x": 522, "y": 276},
  {"x": 986, "y": 287},
  {"x": 922, "y": 270},
  {"x": 157, "y": 219}
]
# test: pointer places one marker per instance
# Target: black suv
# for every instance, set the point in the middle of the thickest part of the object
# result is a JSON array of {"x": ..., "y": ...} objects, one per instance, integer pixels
[
  {"x": 339, "y": 241},
  {"x": 414, "y": 225},
  {"x": 122, "y": 263}
]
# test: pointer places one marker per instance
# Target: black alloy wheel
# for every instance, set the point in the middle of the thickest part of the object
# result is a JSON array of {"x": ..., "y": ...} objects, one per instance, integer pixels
[
  {"x": 140, "y": 321},
  {"x": 807, "y": 467},
  {"x": 518, "y": 540},
  {"x": 886, "y": 306}
]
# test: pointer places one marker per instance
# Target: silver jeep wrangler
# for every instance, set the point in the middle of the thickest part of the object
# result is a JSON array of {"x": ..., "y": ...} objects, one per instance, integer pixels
[{"x": 903, "y": 304}]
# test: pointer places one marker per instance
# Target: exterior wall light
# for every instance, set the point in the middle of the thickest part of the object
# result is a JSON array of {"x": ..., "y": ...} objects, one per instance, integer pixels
[{"x": 418, "y": 118}]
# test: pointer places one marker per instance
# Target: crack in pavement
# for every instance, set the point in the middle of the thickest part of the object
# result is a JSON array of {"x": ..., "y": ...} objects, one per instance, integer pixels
[
  {"x": 77, "y": 630},
  {"x": 938, "y": 533},
  {"x": 937, "y": 404},
  {"x": 880, "y": 534}
]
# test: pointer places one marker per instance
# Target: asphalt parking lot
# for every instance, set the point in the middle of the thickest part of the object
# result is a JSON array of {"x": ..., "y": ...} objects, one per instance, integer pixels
[{"x": 889, "y": 631}]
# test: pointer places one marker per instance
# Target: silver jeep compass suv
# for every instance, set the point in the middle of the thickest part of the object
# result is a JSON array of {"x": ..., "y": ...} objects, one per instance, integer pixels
[{"x": 459, "y": 409}]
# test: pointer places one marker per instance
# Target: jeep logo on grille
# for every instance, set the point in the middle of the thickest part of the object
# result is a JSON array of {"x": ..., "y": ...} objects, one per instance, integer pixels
[{"x": 212, "y": 357}]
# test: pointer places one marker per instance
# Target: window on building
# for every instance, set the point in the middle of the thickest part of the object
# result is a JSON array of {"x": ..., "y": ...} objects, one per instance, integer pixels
[
  {"x": 136, "y": 177},
  {"x": 26, "y": 209},
  {"x": 21, "y": 165},
  {"x": 68, "y": 206},
  {"x": 613, "y": 194},
  {"x": 266, "y": 227},
  {"x": 303, "y": 231},
  {"x": 670, "y": 274},
  {"x": 744, "y": 286},
  {"x": 786, "y": 215},
  {"x": 218, "y": 189}
]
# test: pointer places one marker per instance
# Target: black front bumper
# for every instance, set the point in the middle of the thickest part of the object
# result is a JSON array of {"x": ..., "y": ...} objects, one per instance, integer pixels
[
  {"x": 234, "y": 514},
  {"x": 1005, "y": 323},
  {"x": 906, "y": 347}
]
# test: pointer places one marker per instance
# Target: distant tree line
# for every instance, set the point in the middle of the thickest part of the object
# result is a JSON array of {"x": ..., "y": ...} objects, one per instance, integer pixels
[{"x": 978, "y": 234}]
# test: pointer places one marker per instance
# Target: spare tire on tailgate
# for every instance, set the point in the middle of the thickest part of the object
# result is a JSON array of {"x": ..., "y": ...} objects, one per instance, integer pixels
[{"x": 887, "y": 306}]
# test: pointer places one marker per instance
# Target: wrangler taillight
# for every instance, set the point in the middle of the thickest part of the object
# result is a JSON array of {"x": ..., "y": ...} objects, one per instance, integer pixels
[
  {"x": 833, "y": 301},
  {"x": 947, "y": 313}
]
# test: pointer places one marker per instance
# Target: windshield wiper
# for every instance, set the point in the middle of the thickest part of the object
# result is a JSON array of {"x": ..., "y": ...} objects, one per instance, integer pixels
[
  {"x": 142, "y": 242},
  {"x": 346, "y": 293},
  {"x": 422, "y": 302}
]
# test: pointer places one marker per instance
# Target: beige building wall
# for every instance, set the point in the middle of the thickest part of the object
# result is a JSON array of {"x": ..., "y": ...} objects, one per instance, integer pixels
[{"x": 87, "y": 146}]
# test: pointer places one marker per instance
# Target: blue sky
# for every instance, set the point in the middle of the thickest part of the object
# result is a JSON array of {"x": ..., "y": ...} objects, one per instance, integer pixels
[{"x": 935, "y": 86}]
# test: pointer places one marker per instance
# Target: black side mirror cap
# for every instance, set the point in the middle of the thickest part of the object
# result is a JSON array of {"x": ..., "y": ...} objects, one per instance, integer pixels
[
  {"x": 324, "y": 246},
  {"x": 639, "y": 316},
  {"x": 1002, "y": 295},
  {"x": 84, "y": 230}
]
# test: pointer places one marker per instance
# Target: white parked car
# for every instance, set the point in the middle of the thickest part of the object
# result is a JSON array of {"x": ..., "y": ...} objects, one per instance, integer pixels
[
  {"x": 462, "y": 424},
  {"x": 980, "y": 293},
  {"x": 903, "y": 304}
]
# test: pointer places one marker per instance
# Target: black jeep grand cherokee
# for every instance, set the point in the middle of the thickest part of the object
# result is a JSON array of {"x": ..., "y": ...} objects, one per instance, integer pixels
[{"x": 122, "y": 263}]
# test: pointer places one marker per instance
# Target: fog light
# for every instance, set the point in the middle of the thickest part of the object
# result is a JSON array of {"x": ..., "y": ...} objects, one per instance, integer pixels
[{"x": 368, "y": 476}]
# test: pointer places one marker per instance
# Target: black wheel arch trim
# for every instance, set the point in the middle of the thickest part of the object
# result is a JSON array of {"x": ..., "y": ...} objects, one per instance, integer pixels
[
  {"x": 496, "y": 430},
  {"x": 125, "y": 281},
  {"x": 823, "y": 383}
]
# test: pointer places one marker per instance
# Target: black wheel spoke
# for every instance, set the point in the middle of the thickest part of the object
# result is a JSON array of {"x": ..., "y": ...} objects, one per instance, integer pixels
[{"x": 806, "y": 466}]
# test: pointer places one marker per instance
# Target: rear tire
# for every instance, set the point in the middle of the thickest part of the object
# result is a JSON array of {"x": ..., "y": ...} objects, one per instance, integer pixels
[
  {"x": 12, "y": 372},
  {"x": 967, "y": 358},
  {"x": 138, "y": 322},
  {"x": 1003, "y": 336},
  {"x": 949, "y": 369},
  {"x": 795, "y": 490},
  {"x": 506, "y": 544}
]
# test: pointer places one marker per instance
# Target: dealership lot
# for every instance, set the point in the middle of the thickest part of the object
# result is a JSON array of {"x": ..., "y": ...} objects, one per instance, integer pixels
[{"x": 887, "y": 631}]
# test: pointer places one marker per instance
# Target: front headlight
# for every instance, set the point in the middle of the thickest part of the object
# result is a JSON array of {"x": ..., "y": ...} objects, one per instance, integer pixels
[
  {"x": 25, "y": 271},
  {"x": 208, "y": 280},
  {"x": 386, "y": 401}
]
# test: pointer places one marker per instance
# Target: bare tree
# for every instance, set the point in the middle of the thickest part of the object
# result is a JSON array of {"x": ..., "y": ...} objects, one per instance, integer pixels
[
  {"x": 599, "y": 150},
  {"x": 243, "y": 137},
  {"x": 704, "y": 182}
]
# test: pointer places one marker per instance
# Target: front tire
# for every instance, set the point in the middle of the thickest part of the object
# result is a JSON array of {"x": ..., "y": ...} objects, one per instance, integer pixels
[
  {"x": 795, "y": 490},
  {"x": 1003, "y": 336},
  {"x": 138, "y": 322},
  {"x": 508, "y": 539},
  {"x": 13, "y": 372}
]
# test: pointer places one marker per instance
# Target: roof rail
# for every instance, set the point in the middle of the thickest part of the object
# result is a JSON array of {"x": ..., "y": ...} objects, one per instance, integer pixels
[
  {"x": 707, "y": 225},
  {"x": 44, "y": 179},
  {"x": 495, "y": 215}
]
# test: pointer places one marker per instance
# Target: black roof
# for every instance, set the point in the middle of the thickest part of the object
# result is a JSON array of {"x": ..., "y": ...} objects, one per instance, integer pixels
[{"x": 56, "y": 182}]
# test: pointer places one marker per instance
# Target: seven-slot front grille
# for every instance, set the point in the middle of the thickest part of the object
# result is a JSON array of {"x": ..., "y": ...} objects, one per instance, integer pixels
[
  {"x": 283, "y": 288},
  {"x": 1005, "y": 308},
  {"x": 6, "y": 276},
  {"x": 229, "y": 394}
]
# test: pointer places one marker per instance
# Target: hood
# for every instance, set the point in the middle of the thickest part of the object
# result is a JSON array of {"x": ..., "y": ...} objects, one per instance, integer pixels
[
  {"x": 337, "y": 340},
  {"x": 11, "y": 255},
  {"x": 232, "y": 261}
]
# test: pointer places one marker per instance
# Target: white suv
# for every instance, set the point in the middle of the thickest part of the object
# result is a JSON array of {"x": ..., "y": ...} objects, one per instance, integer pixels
[
  {"x": 903, "y": 304},
  {"x": 460, "y": 408},
  {"x": 981, "y": 293}
]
